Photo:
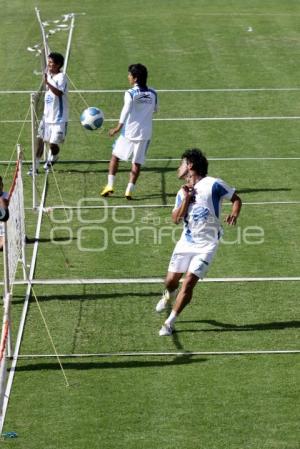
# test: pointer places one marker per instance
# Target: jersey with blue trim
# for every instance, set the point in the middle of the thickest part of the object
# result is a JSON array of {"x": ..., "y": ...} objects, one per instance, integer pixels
[
  {"x": 202, "y": 224},
  {"x": 55, "y": 107},
  {"x": 136, "y": 115}
]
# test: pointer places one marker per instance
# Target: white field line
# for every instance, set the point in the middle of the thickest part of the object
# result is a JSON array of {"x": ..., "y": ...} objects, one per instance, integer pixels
[
  {"x": 170, "y": 159},
  {"x": 164, "y": 353},
  {"x": 213, "y": 119},
  {"x": 189, "y": 119},
  {"x": 155, "y": 280},
  {"x": 152, "y": 206},
  {"x": 109, "y": 91}
]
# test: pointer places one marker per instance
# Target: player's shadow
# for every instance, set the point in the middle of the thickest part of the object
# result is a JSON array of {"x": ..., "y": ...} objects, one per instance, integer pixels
[
  {"x": 252, "y": 190},
  {"x": 219, "y": 326},
  {"x": 88, "y": 297},
  {"x": 30, "y": 240},
  {"x": 184, "y": 359}
]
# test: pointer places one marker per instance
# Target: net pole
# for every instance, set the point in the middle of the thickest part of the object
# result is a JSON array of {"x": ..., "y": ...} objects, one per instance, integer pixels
[
  {"x": 45, "y": 41},
  {"x": 33, "y": 148},
  {"x": 21, "y": 195},
  {"x": 6, "y": 298},
  {"x": 67, "y": 55},
  {"x": 3, "y": 355}
]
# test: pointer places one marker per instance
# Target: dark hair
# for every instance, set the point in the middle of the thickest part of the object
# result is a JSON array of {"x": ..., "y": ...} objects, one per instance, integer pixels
[
  {"x": 57, "y": 58},
  {"x": 198, "y": 159},
  {"x": 140, "y": 72}
]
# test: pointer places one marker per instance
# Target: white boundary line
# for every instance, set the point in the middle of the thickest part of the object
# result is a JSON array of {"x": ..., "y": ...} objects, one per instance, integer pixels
[
  {"x": 152, "y": 206},
  {"x": 164, "y": 353},
  {"x": 213, "y": 119},
  {"x": 170, "y": 159},
  {"x": 109, "y": 91},
  {"x": 190, "y": 119},
  {"x": 154, "y": 280}
]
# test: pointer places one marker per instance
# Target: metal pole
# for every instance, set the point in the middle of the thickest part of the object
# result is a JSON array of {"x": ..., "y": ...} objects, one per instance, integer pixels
[
  {"x": 7, "y": 289},
  {"x": 69, "y": 43},
  {"x": 21, "y": 209},
  {"x": 33, "y": 148},
  {"x": 45, "y": 41}
]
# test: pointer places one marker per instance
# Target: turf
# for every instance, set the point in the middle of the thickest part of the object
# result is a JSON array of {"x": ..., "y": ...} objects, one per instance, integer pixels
[{"x": 146, "y": 401}]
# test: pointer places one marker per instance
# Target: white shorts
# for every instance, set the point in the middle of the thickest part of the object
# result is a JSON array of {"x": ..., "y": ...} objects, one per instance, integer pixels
[
  {"x": 52, "y": 133},
  {"x": 124, "y": 149},
  {"x": 195, "y": 263},
  {"x": 1, "y": 229}
]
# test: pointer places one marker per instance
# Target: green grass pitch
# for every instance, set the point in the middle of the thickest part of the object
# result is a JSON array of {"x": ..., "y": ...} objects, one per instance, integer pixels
[{"x": 239, "y": 61}]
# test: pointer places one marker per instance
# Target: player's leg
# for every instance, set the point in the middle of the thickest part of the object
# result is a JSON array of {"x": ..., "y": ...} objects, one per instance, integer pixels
[
  {"x": 183, "y": 298},
  {"x": 57, "y": 137},
  {"x": 139, "y": 151},
  {"x": 133, "y": 177},
  {"x": 41, "y": 139},
  {"x": 178, "y": 265},
  {"x": 170, "y": 292},
  {"x": 112, "y": 171},
  {"x": 121, "y": 151},
  {"x": 197, "y": 268}
]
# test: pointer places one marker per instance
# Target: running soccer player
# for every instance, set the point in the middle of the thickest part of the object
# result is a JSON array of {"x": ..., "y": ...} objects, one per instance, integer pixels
[
  {"x": 53, "y": 126},
  {"x": 198, "y": 205},
  {"x": 140, "y": 102}
]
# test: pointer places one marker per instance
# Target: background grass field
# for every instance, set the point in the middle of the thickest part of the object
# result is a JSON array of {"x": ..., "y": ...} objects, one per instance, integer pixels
[{"x": 183, "y": 401}]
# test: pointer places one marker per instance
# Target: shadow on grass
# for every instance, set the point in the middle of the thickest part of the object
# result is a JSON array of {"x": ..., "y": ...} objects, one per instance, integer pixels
[
  {"x": 88, "y": 297},
  {"x": 30, "y": 240},
  {"x": 180, "y": 360},
  {"x": 227, "y": 327},
  {"x": 251, "y": 190}
]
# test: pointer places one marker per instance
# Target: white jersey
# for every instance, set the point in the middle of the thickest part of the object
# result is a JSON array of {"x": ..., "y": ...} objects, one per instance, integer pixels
[
  {"x": 137, "y": 112},
  {"x": 55, "y": 107},
  {"x": 202, "y": 227}
]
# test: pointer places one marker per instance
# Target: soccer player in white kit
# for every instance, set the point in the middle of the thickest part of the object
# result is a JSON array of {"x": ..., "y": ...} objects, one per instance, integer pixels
[
  {"x": 53, "y": 126},
  {"x": 140, "y": 102},
  {"x": 198, "y": 206}
]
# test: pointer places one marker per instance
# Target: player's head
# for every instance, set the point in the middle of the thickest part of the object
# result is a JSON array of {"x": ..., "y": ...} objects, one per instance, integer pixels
[
  {"x": 57, "y": 59},
  {"x": 198, "y": 161},
  {"x": 140, "y": 73}
]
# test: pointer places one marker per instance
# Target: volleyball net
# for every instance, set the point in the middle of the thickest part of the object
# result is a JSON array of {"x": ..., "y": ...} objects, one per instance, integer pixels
[{"x": 13, "y": 255}]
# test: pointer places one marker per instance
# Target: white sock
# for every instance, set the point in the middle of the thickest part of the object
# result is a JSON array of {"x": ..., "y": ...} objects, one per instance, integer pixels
[
  {"x": 37, "y": 163},
  {"x": 111, "y": 180},
  {"x": 130, "y": 187},
  {"x": 171, "y": 318},
  {"x": 49, "y": 155},
  {"x": 53, "y": 157}
]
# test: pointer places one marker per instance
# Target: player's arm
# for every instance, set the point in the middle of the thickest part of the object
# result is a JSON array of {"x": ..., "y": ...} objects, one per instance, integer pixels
[
  {"x": 123, "y": 116},
  {"x": 57, "y": 92},
  {"x": 179, "y": 212},
  {"x": 231, "y": 219}
]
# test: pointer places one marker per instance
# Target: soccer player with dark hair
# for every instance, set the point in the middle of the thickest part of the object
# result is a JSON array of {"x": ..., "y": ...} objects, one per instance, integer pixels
[
  {"x": 140, "y": 102},
  {"x": 198, "y": 207},
  {"x": 53, "y": 126}
]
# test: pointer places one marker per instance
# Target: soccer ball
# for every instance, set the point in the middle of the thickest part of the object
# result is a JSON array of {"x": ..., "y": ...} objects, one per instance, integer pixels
[{"x": 92, "y": 118}]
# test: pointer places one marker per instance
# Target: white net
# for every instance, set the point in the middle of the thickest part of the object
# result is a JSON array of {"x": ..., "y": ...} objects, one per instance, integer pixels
[{"x": 16, "y": 224}]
